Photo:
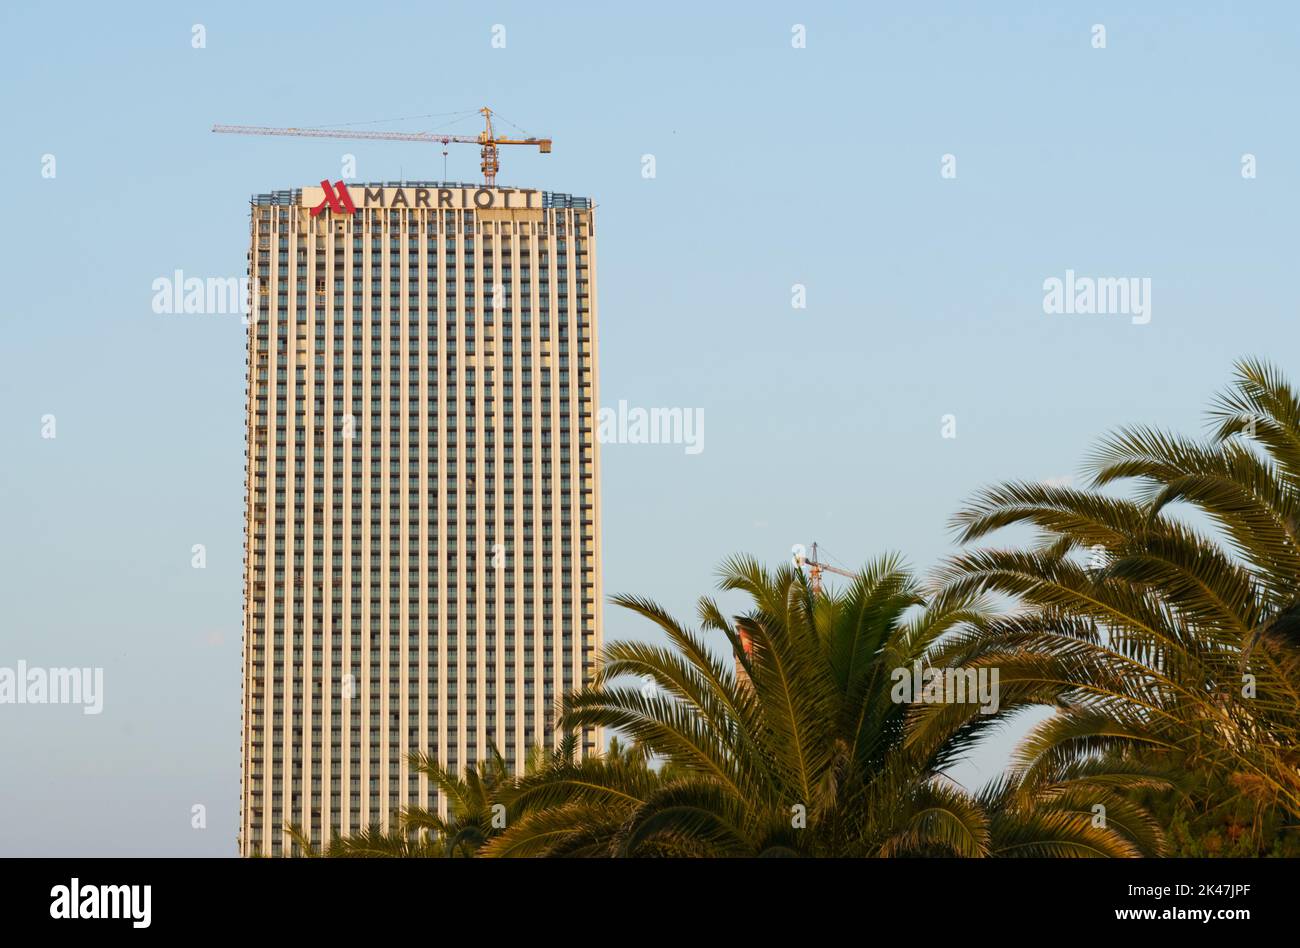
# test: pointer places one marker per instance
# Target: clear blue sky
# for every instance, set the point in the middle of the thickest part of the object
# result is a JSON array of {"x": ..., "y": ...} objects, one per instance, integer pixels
[{"x": 775, "y": 166}]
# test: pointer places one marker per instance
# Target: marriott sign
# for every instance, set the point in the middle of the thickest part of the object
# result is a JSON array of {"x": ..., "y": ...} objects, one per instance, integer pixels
[{"x": 422, "y": 197}]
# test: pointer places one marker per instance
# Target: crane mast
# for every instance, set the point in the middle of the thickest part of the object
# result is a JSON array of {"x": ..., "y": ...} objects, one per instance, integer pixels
[{"x": 816, "y": 567}]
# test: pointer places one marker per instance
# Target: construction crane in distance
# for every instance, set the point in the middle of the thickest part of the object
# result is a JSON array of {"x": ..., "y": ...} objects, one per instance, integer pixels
[
  {"x": 815, "y": 568},
  {"x": 486, "y": 139}
]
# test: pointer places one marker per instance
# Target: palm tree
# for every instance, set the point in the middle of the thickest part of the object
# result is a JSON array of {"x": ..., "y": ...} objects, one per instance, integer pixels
[
  {"x": 1168, "y": 644},
  {"x": 560, "y": 806},
  {"x": 475, "y": 803},
  {"x": 476, "y": 809},
  {"x": 570, "y": 807},
  {"x": 370, "y": 843},
  {"x": 803, "y": 750}
]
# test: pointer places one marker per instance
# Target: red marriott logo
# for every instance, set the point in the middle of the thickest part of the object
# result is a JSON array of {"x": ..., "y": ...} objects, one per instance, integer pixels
[{"x": 338, "y": 203}]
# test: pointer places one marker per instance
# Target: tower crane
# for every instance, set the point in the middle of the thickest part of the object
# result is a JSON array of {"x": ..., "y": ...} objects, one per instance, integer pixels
[
  {"x": 816, "y": 567},
  {"x": 487, "y": 140}
]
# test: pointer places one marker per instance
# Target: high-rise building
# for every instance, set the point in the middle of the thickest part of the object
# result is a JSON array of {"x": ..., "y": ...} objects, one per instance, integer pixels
[{"x": 422, "y": 563}]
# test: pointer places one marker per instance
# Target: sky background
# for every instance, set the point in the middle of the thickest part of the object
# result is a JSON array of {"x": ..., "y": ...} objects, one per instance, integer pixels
[{"x": 774, "y": 166}]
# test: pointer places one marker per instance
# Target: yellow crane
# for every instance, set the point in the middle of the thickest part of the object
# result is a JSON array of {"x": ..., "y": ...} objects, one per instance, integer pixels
[{"x": 487, "y": 140}]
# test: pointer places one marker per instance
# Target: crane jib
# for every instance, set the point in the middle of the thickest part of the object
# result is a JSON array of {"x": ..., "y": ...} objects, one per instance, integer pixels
[{"x": 487, "y": 140}]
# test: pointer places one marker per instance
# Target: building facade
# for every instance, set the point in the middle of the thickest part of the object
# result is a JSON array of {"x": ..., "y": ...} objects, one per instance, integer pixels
[{"x": 422, "y": 562}]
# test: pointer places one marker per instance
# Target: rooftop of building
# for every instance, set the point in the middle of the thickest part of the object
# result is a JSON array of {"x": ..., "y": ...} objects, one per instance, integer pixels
[{"x": 293, "y": 197}]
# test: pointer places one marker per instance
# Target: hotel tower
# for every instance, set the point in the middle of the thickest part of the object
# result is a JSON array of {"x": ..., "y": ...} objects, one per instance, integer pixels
[{"x": 422, "y": 562}]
